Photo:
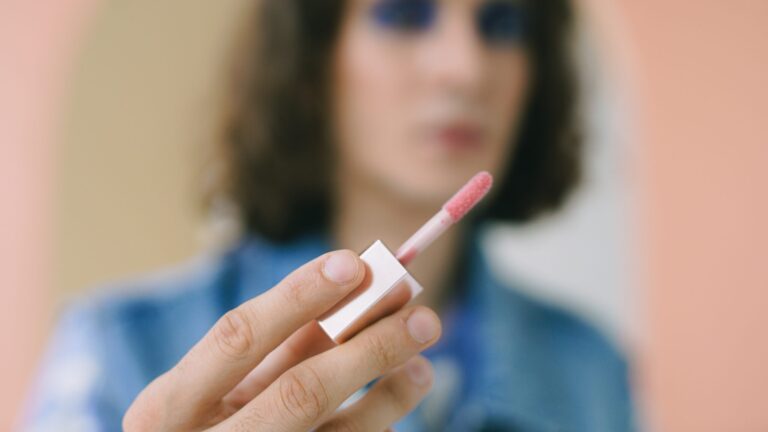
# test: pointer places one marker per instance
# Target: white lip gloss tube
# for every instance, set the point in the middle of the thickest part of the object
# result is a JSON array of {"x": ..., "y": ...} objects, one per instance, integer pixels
[{"x": 387, "y": 285}]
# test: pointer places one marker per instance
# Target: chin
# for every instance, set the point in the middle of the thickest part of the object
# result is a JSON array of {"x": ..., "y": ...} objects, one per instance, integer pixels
[{"x": 433, "y": 184}]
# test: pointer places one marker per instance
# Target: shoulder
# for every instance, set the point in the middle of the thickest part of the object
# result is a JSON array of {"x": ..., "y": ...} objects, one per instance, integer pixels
[
  {"x": 160, "y": 315},
  {"x": 152, "y": 296},
  {"x": 549, "y": 325},
  {"x": 571, "y": 333},
  {"x": 579, "y": 342},
  {"x": 585, "y": 366},
  {"x": 143, "y": 325},
  {"x": 189, "y": 297},
  {"x": 197, "y": 287}
]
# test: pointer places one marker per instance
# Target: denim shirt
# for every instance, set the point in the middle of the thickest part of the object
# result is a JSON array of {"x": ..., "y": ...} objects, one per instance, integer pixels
[{"x": 506, "y": 362}]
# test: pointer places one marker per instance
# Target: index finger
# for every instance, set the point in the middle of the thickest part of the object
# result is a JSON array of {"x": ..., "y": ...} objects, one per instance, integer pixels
[{"x": 241, "y": 338}]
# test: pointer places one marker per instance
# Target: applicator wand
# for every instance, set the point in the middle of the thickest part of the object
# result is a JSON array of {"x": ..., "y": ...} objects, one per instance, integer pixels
[
  {"x": 453, "y": 210},
  {"x": 387, "y": 285}
]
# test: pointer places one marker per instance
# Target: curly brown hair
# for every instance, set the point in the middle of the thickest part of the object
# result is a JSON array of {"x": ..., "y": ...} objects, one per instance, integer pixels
[{"x": 276, "y": 152}]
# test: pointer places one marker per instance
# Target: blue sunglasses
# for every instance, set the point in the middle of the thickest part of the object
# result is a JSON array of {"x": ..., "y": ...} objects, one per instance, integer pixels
[{"x": 499, "y": 22}]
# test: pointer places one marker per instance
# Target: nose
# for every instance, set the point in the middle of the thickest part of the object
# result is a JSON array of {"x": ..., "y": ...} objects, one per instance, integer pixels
[{"x": 455, "y": 52}]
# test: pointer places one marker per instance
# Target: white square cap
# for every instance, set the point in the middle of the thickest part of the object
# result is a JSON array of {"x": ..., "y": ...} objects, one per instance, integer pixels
[{"x": 387, "y": 287}]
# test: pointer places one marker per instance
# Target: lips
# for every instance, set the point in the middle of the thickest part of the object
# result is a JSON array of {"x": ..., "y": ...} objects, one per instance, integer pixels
[{"x": 459, "y": 136}]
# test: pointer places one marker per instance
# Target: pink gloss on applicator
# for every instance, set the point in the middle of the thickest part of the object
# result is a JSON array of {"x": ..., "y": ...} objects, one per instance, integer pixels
[
  {"x": 452, "y": 211},
  {"x": 387, "y": 285}
]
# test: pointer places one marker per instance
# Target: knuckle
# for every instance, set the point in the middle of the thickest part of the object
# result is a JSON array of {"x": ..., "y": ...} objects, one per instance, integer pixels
[
  {"x": 255, "y": 419},
  {"x": 233, "y": 334},
  {"x": 303, "y": 395},
  {"x": 383, "y": 352},
  {"x": 297, "y": 289}
]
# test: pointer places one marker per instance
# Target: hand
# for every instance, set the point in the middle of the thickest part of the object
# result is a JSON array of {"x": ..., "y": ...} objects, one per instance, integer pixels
[{"x": 267, "y": 365}]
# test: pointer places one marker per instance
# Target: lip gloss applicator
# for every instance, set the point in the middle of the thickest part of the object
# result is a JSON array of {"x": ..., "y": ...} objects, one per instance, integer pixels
[
  {"x": 387, "y": 285},
  {"x": 452, "y": 211}
]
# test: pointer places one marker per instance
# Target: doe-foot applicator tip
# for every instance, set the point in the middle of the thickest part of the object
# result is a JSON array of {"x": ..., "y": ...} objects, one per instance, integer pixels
[{"x": 469, "y": 195}]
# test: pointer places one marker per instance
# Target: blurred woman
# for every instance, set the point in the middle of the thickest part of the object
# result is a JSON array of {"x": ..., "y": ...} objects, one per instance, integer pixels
[{"x": 351, "y": 121}]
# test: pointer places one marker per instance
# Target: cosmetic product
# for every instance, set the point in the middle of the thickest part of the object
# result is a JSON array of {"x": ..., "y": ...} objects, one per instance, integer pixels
[{"x": 387, "y": 285}]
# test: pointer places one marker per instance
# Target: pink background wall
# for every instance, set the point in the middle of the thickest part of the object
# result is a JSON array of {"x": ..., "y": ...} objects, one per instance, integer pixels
[
  {"x": 695, "y": 72},
  {"x": 36, "y": 46}
]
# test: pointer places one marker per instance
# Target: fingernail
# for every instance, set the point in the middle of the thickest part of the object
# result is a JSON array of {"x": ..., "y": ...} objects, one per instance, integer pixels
[
  {"x": 422, "y": 326},
  {"x": 418, "y": 371},
  {"x": 340, "y": 267}
]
